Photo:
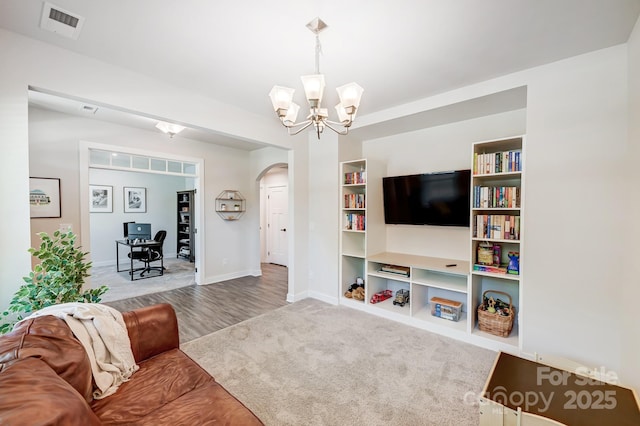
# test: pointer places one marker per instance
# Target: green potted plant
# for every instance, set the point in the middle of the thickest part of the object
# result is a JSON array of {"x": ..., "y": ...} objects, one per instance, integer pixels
[{"x": 58, "y": 278}]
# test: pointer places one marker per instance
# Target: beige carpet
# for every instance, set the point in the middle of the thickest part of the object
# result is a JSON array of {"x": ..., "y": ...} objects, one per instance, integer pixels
[
  {"x": 178, "y": 273},
  {"x": 311, "y": 363}
]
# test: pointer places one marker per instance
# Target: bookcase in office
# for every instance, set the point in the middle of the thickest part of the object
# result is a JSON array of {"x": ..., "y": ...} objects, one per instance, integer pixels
[
  {"x": 185, "y": 223},
  {"x": 497, "y": 227}
]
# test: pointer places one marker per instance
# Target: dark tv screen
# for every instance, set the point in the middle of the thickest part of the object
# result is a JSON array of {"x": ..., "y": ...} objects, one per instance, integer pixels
[{"x": 428, "y": 199}]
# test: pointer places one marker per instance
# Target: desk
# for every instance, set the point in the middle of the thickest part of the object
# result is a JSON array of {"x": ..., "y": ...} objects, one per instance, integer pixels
[
  {"x": 131, "y": 245},
  {"x": 555, "y": 394}
]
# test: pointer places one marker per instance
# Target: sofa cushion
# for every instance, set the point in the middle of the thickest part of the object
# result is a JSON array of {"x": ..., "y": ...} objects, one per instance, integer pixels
[
  {"x": 50, "y": 339},
  {"x": 171, "y": 389},
  {"x": 31, "y": 393}
]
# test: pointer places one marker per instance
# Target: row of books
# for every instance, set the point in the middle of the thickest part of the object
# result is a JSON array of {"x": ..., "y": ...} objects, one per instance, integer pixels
[
  {"x": 497, "y": 226},
  {"x": 494, "y": 269},
  {"x": 497, "y": 162},
  {"x": 354, "y": 201},
  {"x": 496, "y": 197},
  {"x": 354, "y": 221},
  {"x": 355, "y": 178}
]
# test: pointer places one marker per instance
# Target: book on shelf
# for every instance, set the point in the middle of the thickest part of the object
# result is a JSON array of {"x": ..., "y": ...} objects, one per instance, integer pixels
[
  {"x": 503, "y": 268},
  {"x": 497, "y": 162},
  {"x": 487, "y": 197},
  {"x": 354, "y": 222},
  {"x": 352, "y": 178},
  {"x": 493, "y": 269},
  {"x": 497, "y": 226},
  {"x": 354, "y": 201},
  {"x": 395, "y": 269}
]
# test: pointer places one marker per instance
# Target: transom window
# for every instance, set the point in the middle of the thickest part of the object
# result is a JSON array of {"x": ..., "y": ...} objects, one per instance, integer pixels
[{"x": 122, "y": 161}]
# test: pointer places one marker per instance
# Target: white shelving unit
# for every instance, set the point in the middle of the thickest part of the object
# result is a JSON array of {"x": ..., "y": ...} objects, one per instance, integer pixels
[
  {"x": 428, "y": 277},
  {"x": 353, "y": 220},
  {"x": 498, "y": 165},
  {"x": 362, "y": 254}
]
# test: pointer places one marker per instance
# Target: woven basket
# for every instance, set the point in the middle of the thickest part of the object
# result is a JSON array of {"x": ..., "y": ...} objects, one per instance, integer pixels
[{"x": 494, "y": 323}]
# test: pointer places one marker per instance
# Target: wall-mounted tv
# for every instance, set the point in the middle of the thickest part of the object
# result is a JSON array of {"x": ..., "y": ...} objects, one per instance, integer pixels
[{"x": 428, "y": 199}]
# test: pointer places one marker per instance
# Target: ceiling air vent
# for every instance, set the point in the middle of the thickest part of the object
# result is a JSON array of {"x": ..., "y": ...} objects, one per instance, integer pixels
[{"x": 60, "y": 21}]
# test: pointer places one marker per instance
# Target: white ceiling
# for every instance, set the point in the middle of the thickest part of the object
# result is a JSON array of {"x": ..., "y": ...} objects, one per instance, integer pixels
[{"x": 398, "y": 51}]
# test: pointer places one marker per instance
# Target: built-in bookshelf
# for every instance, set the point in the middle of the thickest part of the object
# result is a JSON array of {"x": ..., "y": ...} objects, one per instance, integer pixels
[
  {"x": 353, "y": 235},
  {"x": 495, "y": 239},
  {"x": 496, "y": 229}
]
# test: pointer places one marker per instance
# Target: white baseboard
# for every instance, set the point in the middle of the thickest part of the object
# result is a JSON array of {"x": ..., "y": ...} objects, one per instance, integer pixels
[
  {"x": 323, "y": 297},
  {"x": 224, "y": 277}
]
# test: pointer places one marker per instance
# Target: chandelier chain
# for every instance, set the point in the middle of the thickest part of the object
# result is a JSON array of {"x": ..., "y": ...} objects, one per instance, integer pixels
[{"x": 318, "y": 52}]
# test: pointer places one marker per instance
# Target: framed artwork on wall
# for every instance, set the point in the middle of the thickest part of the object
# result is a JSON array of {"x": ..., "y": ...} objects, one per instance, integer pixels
[
  {"x": 100, "y": 199},
  {"x": 44, "y": 197},
  {"x": 135, "y": 200}
]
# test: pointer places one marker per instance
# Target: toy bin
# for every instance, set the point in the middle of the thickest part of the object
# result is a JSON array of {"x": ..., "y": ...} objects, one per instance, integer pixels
[{"x": 445, "y": 308}]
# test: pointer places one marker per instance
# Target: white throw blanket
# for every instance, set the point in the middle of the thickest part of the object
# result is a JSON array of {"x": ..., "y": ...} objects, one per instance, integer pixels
[{"x": 103, "y": 333}]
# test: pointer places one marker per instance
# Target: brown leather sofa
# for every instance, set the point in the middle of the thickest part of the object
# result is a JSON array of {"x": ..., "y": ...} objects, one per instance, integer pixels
[{"x": 45, "y": 379}]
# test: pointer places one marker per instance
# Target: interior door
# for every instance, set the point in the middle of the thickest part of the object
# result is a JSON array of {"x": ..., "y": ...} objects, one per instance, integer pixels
[{"x": 277, "y": 218}]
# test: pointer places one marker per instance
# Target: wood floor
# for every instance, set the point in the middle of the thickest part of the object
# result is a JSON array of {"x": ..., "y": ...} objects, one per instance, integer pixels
[{"x": 203, "y": 309}]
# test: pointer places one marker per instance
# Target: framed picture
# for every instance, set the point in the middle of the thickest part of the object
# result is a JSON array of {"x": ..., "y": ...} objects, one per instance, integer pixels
[
  {"x": 44, "y": 197},
  {"x": 100, "y": 199},
  {"x": 135, "y": 200}
]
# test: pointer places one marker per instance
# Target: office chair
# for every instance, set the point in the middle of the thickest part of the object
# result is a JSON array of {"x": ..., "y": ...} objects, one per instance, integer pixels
[{"x": 151, "y": 254}]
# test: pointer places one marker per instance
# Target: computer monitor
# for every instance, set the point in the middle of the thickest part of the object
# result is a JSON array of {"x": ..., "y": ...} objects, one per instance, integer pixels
[
  {"x": 140, "y": 231},
  {"x": 125, "y": 227}
]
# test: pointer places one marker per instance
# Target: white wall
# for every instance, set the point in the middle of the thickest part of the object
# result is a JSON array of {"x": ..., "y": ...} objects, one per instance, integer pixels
[
  {"x": 436, "y": 149},
  {"x": 161, "y": 211},
  {"x": 630, "y": 264},
  {"x": 324, "y": 228},
  {"x": 575, "y": 192}
]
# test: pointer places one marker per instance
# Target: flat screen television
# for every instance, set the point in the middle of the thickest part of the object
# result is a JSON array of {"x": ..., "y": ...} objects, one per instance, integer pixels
[{"x": 428, "y": 199}]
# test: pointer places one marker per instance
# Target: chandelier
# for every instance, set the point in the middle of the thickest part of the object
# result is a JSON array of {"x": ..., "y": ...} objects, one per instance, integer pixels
[{"x": 287, "y": 110}]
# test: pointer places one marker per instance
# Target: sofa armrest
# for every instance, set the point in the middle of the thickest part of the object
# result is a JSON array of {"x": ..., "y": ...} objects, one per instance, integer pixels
[{"x": 152, "y": 330}]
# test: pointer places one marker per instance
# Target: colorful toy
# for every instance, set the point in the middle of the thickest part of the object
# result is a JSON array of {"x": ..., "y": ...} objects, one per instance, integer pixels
[
  {"x": 402, "y": 297},
  {"x": 359, "y": 286},
  {"x": 491, "y": 305},
  {"x": 514, "y": 263},
  {"x": 381, "y": 296}
]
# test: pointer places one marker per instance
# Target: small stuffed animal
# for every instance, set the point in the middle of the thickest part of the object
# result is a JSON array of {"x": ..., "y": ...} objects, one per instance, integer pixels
[
  {"x": 358, "y": 293},
  {"x": 492, "y": 305}
]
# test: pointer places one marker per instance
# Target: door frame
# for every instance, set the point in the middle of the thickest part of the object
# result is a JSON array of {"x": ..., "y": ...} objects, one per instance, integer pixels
[{"x": 84, "y": 149}]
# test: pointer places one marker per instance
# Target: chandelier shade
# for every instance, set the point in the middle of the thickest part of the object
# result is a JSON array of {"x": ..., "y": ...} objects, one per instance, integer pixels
[
  {"x": 314, "y": 85},
  {"x": 313, "y": 88}
]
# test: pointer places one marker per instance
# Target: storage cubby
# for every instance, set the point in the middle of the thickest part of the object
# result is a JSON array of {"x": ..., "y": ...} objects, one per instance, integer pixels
[
  {"x": 380, "y": 282},
  {"x": 353, "y": 244},
  {"x": 421, "y": 296},
  {"x": 352, "y": 268}
]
